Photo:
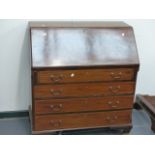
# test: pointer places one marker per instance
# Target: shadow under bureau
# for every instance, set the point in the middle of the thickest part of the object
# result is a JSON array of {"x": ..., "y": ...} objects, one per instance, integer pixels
[{"x": 83, "y": 75}]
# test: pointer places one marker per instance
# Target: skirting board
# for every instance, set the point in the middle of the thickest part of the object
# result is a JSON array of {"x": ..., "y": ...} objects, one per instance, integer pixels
[{"x": 11, "y": 114}]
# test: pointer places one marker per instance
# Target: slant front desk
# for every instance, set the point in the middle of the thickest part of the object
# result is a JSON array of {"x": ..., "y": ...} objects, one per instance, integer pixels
[{"x": 83, "y": 75}]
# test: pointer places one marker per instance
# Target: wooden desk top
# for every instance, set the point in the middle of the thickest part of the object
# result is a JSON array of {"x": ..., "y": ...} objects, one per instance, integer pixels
[
  {"x": 77, "y": 24},
  {"x": 61, "y": 44}
]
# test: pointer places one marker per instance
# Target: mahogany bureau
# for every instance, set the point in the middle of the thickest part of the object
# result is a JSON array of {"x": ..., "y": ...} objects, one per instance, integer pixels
[{"x": 83, "y": 75}]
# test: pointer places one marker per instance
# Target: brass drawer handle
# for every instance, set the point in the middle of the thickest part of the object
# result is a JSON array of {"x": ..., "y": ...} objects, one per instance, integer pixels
[
  {"x": 56, "y": 78},
  {"x": 113, "y": 104},
  {"x": 56, "y": 123},
  {"x": 56, "y": 107},
  {"x": 55, "y": 92},
  {"x": 115, "y": 117},
  {"x": 115, "y": 89},
  {"x": 108, "y": 118},
  {"x": 116, "y": 75},
  {"x": 111, "y": 119}
]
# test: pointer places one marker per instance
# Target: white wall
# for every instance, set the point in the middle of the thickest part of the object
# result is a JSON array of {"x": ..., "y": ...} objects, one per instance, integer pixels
[
  {"x": 145, "y": 38},
  {"x": 14, "y": 65},
  {"x": 15, "y": 91}
]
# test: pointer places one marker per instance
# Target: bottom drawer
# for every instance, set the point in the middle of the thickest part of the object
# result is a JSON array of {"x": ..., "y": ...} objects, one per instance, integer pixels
[{"x": 82, "y": 120}]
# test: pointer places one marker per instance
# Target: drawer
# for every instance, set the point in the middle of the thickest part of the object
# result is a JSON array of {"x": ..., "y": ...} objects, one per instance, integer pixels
[
  {"x": 82, "y": 104},
  {"x": 83, "y": 90},
  {"x": 84, "y": 75},
  {"x": 82, "y": 120}
]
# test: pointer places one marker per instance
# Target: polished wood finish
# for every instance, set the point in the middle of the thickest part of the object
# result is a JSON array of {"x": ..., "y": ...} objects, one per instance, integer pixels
[
  {"x": 83, "y": 90},
  {"x": 83, "y": 104},
  {"x": 82, "y": 47},
  {"x": 82, "y": 120},
  {"x": 78, "y": 24},
  {"x": 83, "y": 75}
]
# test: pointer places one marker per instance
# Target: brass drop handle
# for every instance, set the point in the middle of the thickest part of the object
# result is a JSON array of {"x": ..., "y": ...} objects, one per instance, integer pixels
[
  {"x": 56, "y": 107},
  {"x": 56, "y": 78},
  {"x": 108, "y": 118},
  {"x": 110, "y": 102},
  {"x": 116, "y": 75},
  {"x": 56, "y": 123},
  {"x": 114, "y": 89},
  {"x": 113, "y": 105},
  {"x": 115, "y": 117},
  {"x": 55, "y": 92},
  {"x": 111, "y": 119}
]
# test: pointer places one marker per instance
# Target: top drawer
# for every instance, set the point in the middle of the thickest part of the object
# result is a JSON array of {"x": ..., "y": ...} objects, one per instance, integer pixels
[{"x": 84, "y": 75}]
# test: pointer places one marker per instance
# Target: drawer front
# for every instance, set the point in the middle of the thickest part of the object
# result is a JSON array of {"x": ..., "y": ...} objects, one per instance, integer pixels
[
  {"x": 82, "y": 120},
  {"x": 85, "y": 104},
  {"x": 68, "y": 76},
  {"x": 83, "y": 90}
]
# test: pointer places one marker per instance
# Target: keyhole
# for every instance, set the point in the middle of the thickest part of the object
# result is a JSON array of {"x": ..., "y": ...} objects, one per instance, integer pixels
[{"x": 72, "y": 75}]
